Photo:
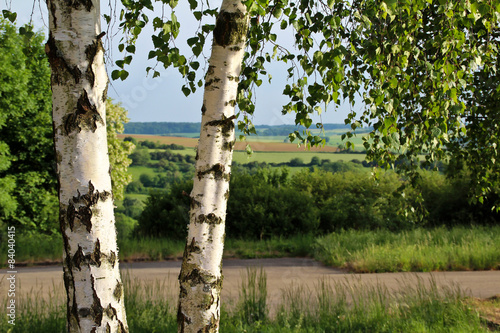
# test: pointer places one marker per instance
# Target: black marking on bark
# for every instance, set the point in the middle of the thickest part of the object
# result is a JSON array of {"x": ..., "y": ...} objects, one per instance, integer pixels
[
  {"x": 105, "y": 92},
  {"x": 59, "y": 64},
  {"x": 71, "y": 306},
  {"x": 231, "y": 102},
  {"x": 226, "y": 125},
  {"x": 235, "y": 48},
  {"x": 84, "y": 312},
  {"x": 182, "y": 320},
  {"x": 53, "y": 11},
  {"x": 118, "y": 292},
  {"x": 58, "y": 157},
  {"x": 208, "y": 300},
  {"x": 193, "y": 276},
  {"x": 95, "y": 256},
  {"x": 210, "y": 82},
  {"x": 112, "y": 258},
  {"x": 230, "y": 28},
  {"x": 90, "y": 53},
  {"x": 76, "y": 4},
  {"x": 70, "y": 216},
  {"x": 110, "y": 311},
  {"x": 211, "y": 327},
  {"x": 203, "y": 109},
  {"x": 195, "y": 203},
  {"x": 211, "y": 219},
  {"x": 78, "y": 258},
  {"x": 94, "y": 329},
  {"x": 85, "y": 116},
  {"x": 193, "y": 248},
  {"x": 210, "y": 70},
  {"x": 217, "y": 170},
  {"x": 96, "y": 308},
  {"x": 226, "y": 195},
  {"x": 73, "y": 319},
  {"x": 108, "y": 328},
  {"x": 228, "y": 145},
  {"x": 85, "y": 216},
  {"x": 121, "y": 327},
  {"x": 84, "y": 211},
  {"x": 183, "y": 292}
]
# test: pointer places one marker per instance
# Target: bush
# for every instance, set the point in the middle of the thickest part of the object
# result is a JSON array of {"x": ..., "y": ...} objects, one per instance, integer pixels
[
  {"x": 354, "y": 200},
  {"x": 125, "y": 226},
  {"x": 140, "y": 156},
  {"x": 135, "y": 187},
  {"x": 264, "y": 205},
  {"x": 166, "y": 213}
]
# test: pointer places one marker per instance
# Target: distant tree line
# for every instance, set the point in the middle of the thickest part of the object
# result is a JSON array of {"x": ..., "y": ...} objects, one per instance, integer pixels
[
  {"x": 153, "y": 145},
  {"x": 166, "y": 128}
]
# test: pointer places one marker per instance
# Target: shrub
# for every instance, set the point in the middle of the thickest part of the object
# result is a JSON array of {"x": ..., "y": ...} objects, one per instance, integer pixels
[
  {"x": 166, "y": 213},
  {"x": 263, "y": 205}
]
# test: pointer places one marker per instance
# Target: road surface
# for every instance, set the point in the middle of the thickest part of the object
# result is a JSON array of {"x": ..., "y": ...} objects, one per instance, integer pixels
[{"x": 282, "y": 274}]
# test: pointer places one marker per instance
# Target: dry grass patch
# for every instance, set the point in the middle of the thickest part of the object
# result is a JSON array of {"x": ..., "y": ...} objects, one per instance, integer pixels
[{"x": 488, "y": 309}]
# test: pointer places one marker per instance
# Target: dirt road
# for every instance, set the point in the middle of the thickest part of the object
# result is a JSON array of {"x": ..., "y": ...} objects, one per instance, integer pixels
[{"x": 281, "y": 273}]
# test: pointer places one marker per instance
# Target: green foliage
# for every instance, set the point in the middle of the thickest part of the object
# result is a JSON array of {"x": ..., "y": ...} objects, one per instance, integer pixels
[
  {"x": 125, "y": 225},
  {"x": 426, "y": 72},
  {"x": 119, "y": 150},
  {"x": 140, "y": 156},
  {"x": 27, "y": 162},
  {"x": 266, "y": 203},
  {"x": 355, "y": 200},
  {"x": 166, "y": 213},
  {"x": 27, "y": 173},
  {"x": 262, "y": 205}
]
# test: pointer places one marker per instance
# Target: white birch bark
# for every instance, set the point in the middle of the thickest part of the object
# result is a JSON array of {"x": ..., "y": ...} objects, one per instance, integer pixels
[
  {"x": 79, "y": 82},
  {"x": 201, "y": 273}
]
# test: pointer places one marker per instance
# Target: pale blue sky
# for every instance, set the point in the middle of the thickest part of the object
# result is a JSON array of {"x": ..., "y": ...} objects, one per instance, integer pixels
[{"x": 161, "y": 99}]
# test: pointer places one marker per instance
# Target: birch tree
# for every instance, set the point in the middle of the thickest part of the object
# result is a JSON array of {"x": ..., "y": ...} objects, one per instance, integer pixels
[
  {"x": 79, "y": 82},
  {"x": 201, "y": 273}
]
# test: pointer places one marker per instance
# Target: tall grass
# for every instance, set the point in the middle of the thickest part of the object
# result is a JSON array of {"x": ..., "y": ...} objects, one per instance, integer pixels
[
  {"x": 252, "y": 306},
  {"x": 34, "y": 248},
  {"x": 293, "y": 246},
  {"x": 439, "y": 249},
  {"x": 347, "y": 306},
  {"x": 43, "y": 248}
]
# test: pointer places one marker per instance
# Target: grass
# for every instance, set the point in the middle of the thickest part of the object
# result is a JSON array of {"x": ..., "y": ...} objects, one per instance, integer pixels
[
  {"x": 347, "y": 306},
  {"x": 419, "y": 250},
  {"x": 45, "y": 249},
  {"x": 137, "y": 171}
]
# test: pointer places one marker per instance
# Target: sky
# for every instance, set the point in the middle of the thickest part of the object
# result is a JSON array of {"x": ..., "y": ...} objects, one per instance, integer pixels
[{"x": 160, "y": 99}]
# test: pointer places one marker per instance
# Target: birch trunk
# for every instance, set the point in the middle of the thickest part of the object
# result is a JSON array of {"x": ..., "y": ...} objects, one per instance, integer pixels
[
  {"x": 201, "y": 273},
  {"x": 79, "y": 82}
]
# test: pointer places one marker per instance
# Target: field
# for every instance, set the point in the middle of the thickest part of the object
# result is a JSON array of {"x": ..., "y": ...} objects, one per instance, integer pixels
[
  {"x": 283, "y": 157},
  {"x": 263, "y": 146}
]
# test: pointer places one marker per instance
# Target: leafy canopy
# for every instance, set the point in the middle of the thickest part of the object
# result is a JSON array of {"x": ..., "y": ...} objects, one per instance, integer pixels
[{"x": 422, "y": 73}]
